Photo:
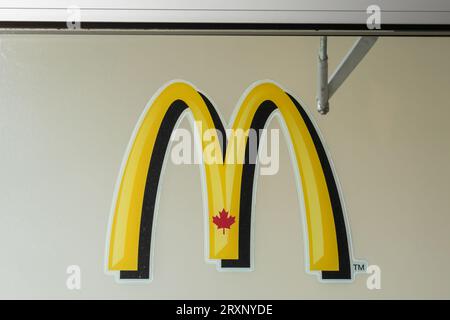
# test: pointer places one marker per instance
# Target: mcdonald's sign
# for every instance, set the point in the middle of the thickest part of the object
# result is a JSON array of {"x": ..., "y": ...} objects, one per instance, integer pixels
[{"x": 229, "y": 185}]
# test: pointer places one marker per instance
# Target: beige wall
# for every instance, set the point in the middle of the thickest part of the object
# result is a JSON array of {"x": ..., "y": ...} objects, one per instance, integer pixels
[{"x": 68, "y": 105}]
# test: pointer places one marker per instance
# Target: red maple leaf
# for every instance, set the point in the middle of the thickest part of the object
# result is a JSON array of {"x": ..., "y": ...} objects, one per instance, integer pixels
[{"x": 223, "y": 220}]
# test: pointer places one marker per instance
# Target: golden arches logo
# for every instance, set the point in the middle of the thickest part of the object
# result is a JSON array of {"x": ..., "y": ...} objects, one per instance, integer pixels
[{"x": 229, "y": 185}]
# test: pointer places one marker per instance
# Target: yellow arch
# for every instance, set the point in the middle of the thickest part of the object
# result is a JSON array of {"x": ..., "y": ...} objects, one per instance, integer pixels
[{"x": 223, "y": 181}]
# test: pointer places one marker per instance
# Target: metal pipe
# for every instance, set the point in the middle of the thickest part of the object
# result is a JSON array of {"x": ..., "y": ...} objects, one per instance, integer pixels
[
  {"x": 349, "y": 63},
  {"x": 113, "y": 30},
  {"x": 322, "y": 78}
]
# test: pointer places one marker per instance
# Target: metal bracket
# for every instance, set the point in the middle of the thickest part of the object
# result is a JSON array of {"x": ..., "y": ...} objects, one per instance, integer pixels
[{"x": 326, "y": 88}]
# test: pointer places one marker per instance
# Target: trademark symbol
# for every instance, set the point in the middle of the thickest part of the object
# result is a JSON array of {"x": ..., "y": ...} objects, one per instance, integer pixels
[{"x": 359, "y": 267}]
